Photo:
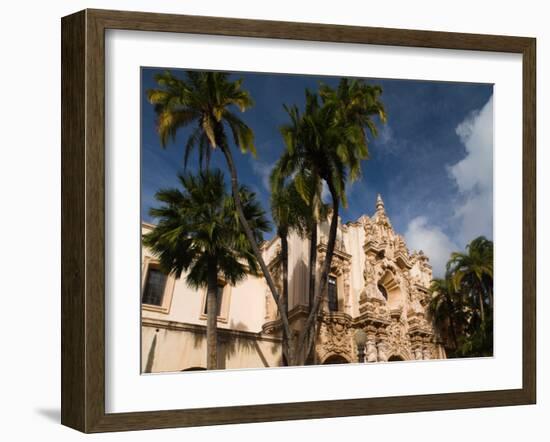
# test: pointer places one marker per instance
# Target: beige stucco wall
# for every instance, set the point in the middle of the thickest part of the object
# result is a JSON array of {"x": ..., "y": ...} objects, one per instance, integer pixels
[
  {"x": 168, "y": 350},
  {"x": 353, "y": 241},
  {"x": 246, "y": 302}
]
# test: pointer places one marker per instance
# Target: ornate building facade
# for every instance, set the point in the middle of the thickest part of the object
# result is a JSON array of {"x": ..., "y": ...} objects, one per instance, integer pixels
[{"x": 375, "y": 285}]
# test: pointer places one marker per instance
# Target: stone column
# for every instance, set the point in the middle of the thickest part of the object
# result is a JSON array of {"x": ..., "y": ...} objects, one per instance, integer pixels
[
  {"x": 347, "y": 289},
  {"x": 371, "y": 354},
  {"x": 417, "y": 348},
  {"x": 427, "y": 350},
  {"x": 382, "y": 346}
]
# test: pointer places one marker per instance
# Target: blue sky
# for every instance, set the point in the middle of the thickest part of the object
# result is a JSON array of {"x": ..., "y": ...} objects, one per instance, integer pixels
[{"x": 432, "y": 161}]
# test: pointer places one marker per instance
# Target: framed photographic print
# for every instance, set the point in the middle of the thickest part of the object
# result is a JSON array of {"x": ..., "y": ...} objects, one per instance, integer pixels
[{"x": 268, "y": 221}]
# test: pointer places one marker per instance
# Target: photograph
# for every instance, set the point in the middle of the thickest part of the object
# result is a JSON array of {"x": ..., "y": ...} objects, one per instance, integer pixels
[{"x": 303, "y": 220}]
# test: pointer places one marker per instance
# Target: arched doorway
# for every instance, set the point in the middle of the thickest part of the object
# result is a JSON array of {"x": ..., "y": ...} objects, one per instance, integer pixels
[
  {"x": 194, "y": 369},
  {"x": 395, "y": 358},
  {"x": 335, "y": 359}
]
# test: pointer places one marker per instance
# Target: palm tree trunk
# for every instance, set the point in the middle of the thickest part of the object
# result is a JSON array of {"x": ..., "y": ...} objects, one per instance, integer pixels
[
  {"x": 312, "y": 279},
  {"x": 330, "y": 245},
  {"x": 321, "y": 286},
  {"x": 481, "y": 304},
  {"x": 284, "y": 260},
  {"x": 312, "y": 264},
  {"x": 487, "y": 288},
  {"x": 248, "y": 232},
  {"x": 453, "y": 331},
  {"x": 212, "y": 318},
  {"x": 451, "y": 310}
]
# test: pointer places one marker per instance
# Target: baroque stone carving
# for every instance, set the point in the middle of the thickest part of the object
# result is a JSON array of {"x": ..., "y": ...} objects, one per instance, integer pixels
[
  {"x": 395, "y": 295},
  {"x": 391, "y": 305},
  {"x": 335, "y": 336}
]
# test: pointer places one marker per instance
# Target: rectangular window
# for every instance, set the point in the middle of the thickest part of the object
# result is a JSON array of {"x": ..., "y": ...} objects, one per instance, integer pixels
[
  {"x": 332, "y": 294},
  {"x": 153, "y": 293},
  {"x": 219, "y": 298}
]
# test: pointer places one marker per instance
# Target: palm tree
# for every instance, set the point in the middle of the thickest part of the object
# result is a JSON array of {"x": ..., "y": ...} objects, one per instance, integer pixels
[
  {"x": 473, "y": 272},
  {"x": 462, "y": 304},
  {"x": 444, "y": 309},
  {"x": 309, "y": 160},
  {"x": 198, "y": 232},
  {"x": 207, "y": 101},
  {"x": 306, "y": 181},
  {"x": 290, "y": 214},
  {"x": 329, "y": 141},
  {"x": 354, "y": 103},
  {"x": 351, "y": 106},
  {"x": 478, "y": 341}
]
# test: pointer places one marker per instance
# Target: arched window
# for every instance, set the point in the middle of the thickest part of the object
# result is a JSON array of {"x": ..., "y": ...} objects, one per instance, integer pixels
[
  {"x": 390, "y": 288},
  {"x": 383, "y": 291}
]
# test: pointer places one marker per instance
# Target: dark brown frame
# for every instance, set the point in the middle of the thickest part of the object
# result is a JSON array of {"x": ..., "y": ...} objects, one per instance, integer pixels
[{"x": 83, "y": 216}]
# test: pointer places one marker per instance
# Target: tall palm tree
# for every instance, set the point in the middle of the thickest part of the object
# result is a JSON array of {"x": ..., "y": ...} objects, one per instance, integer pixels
[
  {"x": 198, "y": 232},
  {"x": 309, "y": 159},
  {"x": 307, "y": 182},
  {"x": 352, "y": 106},
  {"x": 355, "y": 103},
  {"x": 444, "y": 309},
  {"x": 462, "y": 303},
  {"x": 473, "y": 272},
  {"x": 329, "y": 141},
  {"x": 207, "y": 101},
  {"x": 291, "y": 214}
]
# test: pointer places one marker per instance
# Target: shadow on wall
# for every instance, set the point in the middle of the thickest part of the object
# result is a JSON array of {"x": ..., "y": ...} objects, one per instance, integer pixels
[
  {"x": 151, "y": 356},
  {"x": 228, "y": 347},
  {"x": 298, "y": 283},
  {"x": 232, "y": 346}
]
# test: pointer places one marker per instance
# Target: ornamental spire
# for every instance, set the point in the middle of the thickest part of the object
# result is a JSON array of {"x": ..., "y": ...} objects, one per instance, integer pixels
[{"x": 379, "y": 204}]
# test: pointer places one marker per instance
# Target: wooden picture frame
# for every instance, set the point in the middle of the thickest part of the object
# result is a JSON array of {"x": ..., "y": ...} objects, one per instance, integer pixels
[{"x": 83, "y": 220}]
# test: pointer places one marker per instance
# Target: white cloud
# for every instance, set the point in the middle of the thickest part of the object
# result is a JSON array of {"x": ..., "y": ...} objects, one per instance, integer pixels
[
  {"x": 263, "y": 171},
  {"x": 473, "y": 175},
  {"x": 432, "y": 241},
  {"x": 325, "y": 194},
  {"x": 387, "y": 143},
  {"x": 385, "y": 134}
]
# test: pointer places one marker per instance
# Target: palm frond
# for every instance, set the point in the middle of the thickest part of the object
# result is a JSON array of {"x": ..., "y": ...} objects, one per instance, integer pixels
[{"x": 198, "y": 228}]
